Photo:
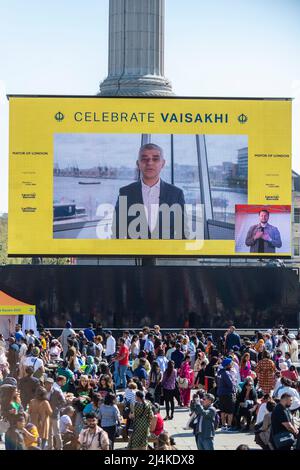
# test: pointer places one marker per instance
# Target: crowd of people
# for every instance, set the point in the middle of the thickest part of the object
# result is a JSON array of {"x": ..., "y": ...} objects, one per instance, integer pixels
[{"x": 88, "y": 390}]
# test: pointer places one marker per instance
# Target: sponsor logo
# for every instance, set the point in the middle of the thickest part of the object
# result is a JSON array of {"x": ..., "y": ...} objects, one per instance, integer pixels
[
  {"x": 28, "y": 209},
  {"x": 29, "y": 196}
]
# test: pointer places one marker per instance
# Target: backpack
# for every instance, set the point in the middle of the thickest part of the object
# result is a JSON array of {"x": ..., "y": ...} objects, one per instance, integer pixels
[
  {"x": 38, "y": 373},
  {"x": 37, "y": 342}
]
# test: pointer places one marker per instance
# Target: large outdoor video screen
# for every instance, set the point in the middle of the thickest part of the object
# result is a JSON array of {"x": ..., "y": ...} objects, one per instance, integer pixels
[{"x": 140, "y": 176}]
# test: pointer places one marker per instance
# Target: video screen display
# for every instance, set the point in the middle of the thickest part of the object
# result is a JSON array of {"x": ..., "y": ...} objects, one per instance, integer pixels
[{"x": 139, "y": 176}]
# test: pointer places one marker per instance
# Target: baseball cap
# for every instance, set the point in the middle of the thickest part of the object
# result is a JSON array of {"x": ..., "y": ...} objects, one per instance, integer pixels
[
  {"x": 36, "y": 351},
  {"x": 49, "y": 380},
  {"x": 226, "y": 362}
]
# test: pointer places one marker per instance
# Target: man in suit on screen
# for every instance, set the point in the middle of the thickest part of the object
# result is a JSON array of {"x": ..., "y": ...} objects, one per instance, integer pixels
[{"x": 150, "y": 208}]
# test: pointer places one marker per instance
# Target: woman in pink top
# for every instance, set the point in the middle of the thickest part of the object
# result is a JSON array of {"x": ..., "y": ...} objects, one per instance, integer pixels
[
  {"x": 245, "y": 366},
  {"x": 186, "y": 372}
]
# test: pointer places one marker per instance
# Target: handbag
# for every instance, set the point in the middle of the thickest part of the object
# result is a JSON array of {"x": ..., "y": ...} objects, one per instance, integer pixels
[
  {"x": 183, "y": 383},
  {"x": 283, "y": 439}
]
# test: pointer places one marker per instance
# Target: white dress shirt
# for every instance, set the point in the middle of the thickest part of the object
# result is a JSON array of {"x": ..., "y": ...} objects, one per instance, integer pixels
[
  {"x": 110, "y": 346},
  {"x": 151, "y": 202}
]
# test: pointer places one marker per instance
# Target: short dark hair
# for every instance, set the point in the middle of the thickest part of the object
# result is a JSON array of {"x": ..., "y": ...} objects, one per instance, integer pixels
[
  {"x": 210, "y": 397},
  {"x": 264, "y": 210},
  {"x": 90, "y": 415},
  {"x": 243, "y": 447},
  {"x": 109, "y": 399},
  {"x": 140, "y": 394},
  {"x": 285, "y": 395},
  {"x": 270, "y": 406}
]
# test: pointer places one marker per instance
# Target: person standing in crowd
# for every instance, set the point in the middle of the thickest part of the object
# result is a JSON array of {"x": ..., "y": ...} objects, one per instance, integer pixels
[
  {"x": 57, "y": 402},
  {"x": 245, "y": 366},
  {"x": 157, "y": 331},
  {"x": 205, "y": 421},
  {"x": 294, "y": 348},
  {"x": 99, "y": 346},
  {"x": 18, "y": 334},
  {"x": 123, "y": 362},
  {"x": 169, "y": 384},
  {"x": 268, "y": 343},
  {"x": 282, "y": 424},
  {"x": 149, "y": 345},
  {"x": 66, "y": 334},
  {"x": 110, "y": 417},
  {"x": 171, "y": 349},
  {"x": 161, "y": 360},
  {"x": 284, "y": 344},
  {"x": 134, "y": 347},
  {"x": 177, "y": 356},
  {"x": 89, "y": 332},
  {"x": 155, "y": 378},
  {"x": 34, "y": 361},
  {"x": 232, "y": 339},
  {"x": 226, "y": 394},
  {"x": 210, "y": 375},
  {"x": 110, "y": 349},
  {"x": 187, "y": 374},
  {"x": 40, "y": 412},
  {"x": 13, "y": 356},
  {"x": 28, "y": 386},
  {"x": 93, "y": 437},
  {"x": 265, "y": 371},
  {"x": 142, "y": 416}
]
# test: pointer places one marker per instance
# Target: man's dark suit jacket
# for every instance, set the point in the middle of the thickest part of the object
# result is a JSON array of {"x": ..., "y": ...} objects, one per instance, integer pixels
[{"x": 169, "y": 195}]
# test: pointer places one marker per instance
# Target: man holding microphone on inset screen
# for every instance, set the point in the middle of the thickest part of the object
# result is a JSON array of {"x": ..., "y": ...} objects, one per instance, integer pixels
[{"x": 263, "y": 237}]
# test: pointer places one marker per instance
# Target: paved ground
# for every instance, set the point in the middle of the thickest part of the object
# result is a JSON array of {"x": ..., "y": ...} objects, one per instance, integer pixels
[
  {"x": 223, "y": 441},
  {"x": 185, "y": 440}
]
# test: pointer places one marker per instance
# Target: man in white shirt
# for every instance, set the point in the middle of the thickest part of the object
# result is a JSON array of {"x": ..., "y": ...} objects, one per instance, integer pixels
[
  {"x": 110, "y": 349},
  {"x": 35, "y": 362}
]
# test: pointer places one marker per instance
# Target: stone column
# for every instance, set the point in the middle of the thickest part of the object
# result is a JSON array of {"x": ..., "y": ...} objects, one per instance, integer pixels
[{"x": 136, "y": 49}]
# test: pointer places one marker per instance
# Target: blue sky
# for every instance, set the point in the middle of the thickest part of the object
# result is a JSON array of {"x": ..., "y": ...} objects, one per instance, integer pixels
[{"x": 217, "y": 48}]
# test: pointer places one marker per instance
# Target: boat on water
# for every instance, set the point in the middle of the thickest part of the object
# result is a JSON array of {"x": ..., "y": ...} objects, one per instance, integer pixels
[
  {"x": 67, "y": 211},
  {"x": 89, "y": 182}
]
